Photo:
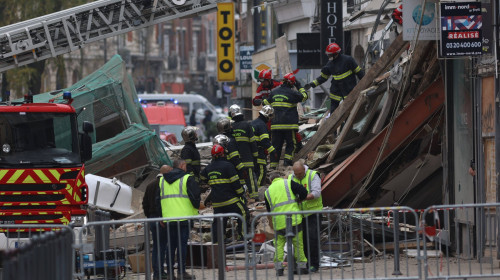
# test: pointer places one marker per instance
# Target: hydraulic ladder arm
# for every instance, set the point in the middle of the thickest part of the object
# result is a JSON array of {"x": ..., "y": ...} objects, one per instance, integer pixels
[{"x": 68, "y": 30}]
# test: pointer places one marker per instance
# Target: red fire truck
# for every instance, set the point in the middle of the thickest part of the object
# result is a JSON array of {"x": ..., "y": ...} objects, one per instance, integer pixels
[{"x": 42, "y": 177}]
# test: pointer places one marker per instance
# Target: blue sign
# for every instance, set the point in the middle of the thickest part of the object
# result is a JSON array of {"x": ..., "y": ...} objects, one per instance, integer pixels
[{"x": 246, "y": 59}]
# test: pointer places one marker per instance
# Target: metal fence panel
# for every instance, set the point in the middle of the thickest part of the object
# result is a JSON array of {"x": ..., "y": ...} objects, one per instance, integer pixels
[
  {"x": 461, "y": 249},
  {"x": 364, "y": 243},
  {"x": 31, "y": 254},
  {"x": 129, "y": 240}
]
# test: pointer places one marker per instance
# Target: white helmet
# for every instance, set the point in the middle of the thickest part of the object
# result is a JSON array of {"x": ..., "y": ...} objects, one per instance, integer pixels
[
  {"x": 222, "y": 140},
  {"x": 235, "y": 110},
  {"x": 267, "y": 111},
  {"x": 189, "y": 134},
  {"x": 224, "y": 125}
]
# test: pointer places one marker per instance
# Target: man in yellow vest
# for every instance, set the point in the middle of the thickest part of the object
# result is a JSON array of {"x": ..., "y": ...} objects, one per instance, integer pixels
[
  {"x": 281, "y": 197},
  {"x": 312, "y": 182},
  {"x": 179, "y": 197}
]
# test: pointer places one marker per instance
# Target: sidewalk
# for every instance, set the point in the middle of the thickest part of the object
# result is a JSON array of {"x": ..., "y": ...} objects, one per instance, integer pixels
[{"x": 381, "y": 268}]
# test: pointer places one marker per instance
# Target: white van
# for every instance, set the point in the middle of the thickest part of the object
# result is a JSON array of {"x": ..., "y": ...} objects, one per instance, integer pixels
[{"x": 188, "y": 102}]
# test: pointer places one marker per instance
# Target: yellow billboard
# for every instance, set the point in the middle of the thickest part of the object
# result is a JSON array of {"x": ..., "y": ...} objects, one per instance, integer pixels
[{"x": 225, "y": 42}]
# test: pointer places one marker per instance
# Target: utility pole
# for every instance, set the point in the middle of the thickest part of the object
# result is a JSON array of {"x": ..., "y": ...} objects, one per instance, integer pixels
[{"x": 497, "y": 121}]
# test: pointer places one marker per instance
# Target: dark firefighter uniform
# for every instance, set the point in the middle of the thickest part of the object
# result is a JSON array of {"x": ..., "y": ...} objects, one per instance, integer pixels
[
  {"x": 286, "y": 120},
  {"x": 234, "y": 157},
  {"x": 343, "y": 71},
  {"x": 264, "y": 147},
  {"x": 190, "y": 154},
  {"x": 243, "y": 133},
  {"x": 263, "y": 92},
  {"x": 227, "y": 194}
]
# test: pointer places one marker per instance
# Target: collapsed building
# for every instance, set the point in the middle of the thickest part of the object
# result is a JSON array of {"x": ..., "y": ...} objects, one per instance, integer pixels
[{"x": 383, "y": 144}]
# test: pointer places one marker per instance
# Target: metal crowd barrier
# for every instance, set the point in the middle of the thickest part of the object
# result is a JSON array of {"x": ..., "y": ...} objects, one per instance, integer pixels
[
  {"x": 364, "y": 243},
  {"x": 37, "y": 255},
  {"x": 441, "y": 242},
  {"x": 463, "y": 239},
  {"x": 129, "y": 254}
]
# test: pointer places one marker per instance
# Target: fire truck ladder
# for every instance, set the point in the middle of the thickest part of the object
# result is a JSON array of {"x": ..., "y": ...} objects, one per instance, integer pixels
[{"x": 68, "y": 30}]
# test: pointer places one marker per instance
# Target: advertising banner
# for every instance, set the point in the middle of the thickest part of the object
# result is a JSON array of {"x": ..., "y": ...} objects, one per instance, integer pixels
[
  {"x": 413, "y": 17},
  {"x": 461, "y": 24}
]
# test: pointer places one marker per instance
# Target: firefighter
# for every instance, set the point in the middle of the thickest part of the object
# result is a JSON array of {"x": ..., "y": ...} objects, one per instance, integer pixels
[
  {"x": 397, "y": 14},
  {"x": 179, "y": 197},
  {"x": 233, "y": 155},
  {"x": 227, "y": 194},
  {"x": 190, "y": 153},
  {"x": 285, "y": 123},
  {"x": 243, "y": 133},
  {"x": 266, "y": 85},
  {"x": 264, "y": 145},
  {"x": 312, "y": 182},
  {"x": 263, "y": 91},
  {"x": 343, "y": 69},
  {"x": 282, "y": 196}
]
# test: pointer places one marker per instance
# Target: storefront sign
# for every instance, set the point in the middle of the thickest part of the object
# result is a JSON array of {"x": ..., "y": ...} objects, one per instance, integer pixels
[
  {"x": 461, "y": 33},
  {"x": 331, "y": 25},
  {"x": 246, "y": 59},
  {"x": 259, "y": 67},
  {"x": 225, "y": 42},
  {"x": 308, "y": 51}
]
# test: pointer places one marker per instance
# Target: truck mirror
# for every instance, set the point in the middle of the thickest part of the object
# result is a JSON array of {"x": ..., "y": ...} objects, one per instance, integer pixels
[
  {"x": 86, "y": 146},
  {"x": 87, "y": 127}
]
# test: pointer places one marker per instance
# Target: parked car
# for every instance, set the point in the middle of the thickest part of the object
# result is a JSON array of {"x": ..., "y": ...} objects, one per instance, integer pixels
[{"x": 167, "y": 120}]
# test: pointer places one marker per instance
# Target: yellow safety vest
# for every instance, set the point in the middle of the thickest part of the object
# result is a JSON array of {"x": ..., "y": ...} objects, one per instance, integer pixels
[
  {"x": 314, "y": 204},
  {"x": 175, "y": 200},
  {"x": 282, "y": 200}
]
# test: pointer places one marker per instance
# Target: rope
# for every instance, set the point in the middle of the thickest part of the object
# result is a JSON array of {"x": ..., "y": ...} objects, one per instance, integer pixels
[
  {"x": 363, "y": 189},
  {"x": 407, "y": 191},
  {"x": 389, "y": 165}
]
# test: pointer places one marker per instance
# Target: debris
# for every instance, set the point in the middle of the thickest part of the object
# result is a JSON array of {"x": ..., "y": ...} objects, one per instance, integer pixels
[
  {"x": 430, "y": 253},
  {"x": 373, "y": 247}
]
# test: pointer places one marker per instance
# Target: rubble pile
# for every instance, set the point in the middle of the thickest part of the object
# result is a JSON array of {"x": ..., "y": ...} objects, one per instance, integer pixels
[{"x": 389, "y": 124}]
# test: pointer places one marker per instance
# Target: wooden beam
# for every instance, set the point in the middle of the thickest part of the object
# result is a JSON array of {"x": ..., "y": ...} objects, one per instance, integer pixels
[
  {"x": 346, "y": 179},
  {"x": 382, "y": 64},
  {"x": 389, "y": 246},
  {"x": 346, "y": 128},
  {"x": 386, "y": 108}
]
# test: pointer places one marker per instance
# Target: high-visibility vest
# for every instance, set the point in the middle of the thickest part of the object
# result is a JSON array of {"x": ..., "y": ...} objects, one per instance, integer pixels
[
  {"x": 314, "y": 204},
  {"x": 175, "y": 200},
  {"x": 282, "y": 199}
]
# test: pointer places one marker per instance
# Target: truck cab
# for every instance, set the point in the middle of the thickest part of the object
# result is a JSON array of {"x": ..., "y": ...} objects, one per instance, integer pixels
[
  {"x": 167, "y": 120},
  {"x": 42, "y": 177}
]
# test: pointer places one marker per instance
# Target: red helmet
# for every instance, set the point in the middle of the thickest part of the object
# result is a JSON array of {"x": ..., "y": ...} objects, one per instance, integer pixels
[
  {"x": 333, "y": 48},
  {"x": 265, "y": 74},
  {"x": 217, "y": 151},
  {"x": 290, "y": 78}
]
